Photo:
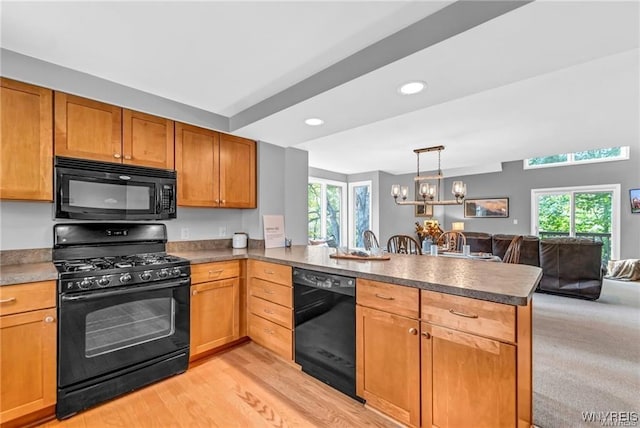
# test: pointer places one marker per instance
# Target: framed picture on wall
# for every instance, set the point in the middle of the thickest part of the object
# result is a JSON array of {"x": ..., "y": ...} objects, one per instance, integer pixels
[
  {"x": 420, "y": 209},
  {"x": 486, "y": 208},
  {"x": 634, "y": 198}
]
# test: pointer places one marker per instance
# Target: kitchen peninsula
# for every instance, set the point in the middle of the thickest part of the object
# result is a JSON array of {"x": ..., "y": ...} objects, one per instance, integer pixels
[{"x": 440, "y": 341}]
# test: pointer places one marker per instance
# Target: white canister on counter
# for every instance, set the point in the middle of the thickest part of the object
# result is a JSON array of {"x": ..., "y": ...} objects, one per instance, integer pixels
[{"x": 239, "y": 240}]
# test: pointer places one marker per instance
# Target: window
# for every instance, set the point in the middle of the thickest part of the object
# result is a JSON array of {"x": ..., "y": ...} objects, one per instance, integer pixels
[
  {"x": 327, "y": 205},
  {"x": 587, "y": 156},
  {"x": 585, "y": 211},
  {"x": 359, "y": 212}
]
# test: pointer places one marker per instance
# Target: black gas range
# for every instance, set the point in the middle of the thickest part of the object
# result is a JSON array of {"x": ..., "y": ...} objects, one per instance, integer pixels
[{"x": 123, "y": 311}]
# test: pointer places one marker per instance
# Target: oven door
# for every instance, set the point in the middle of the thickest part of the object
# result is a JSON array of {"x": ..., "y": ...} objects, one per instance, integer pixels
[{"x": 107, "y": 330}]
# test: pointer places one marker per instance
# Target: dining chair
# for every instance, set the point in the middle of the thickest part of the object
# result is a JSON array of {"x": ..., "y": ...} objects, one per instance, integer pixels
[
  {"x": 512, "y": 255},
  {"x": 451, "y": 240},
  {"x": 403, "y": 244},
  {"x": 370, "y": 240}
]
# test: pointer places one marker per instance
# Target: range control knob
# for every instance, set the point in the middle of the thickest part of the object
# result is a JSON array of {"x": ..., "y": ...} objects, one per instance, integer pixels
[
  {"x": 104, "y": 281},
  {"x": 163, "y": 273},
  {"x": 145, "y": 276},
  {"x": 85, "y": 283},
  {"x": 175, "y": 272},
  {"x": 125, "y": 278}
]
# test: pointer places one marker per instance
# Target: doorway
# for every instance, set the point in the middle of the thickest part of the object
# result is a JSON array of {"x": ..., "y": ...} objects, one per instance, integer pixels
[{"x": 582, "y": 211}]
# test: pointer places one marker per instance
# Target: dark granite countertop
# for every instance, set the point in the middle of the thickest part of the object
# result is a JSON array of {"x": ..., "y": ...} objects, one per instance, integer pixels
[
  {"x": 498, "y": 282},
  {"x": 27, "y": 272}
]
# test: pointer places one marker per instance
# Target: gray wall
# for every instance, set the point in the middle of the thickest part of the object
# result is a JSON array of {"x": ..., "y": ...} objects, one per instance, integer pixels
[
  {"x": 516, "y": 183},
  {"x": 282, "y": 173}
]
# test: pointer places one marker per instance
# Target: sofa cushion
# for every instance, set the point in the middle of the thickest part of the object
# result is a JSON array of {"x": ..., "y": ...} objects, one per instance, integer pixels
[
  {"x": 479, "y": 241},
  {"x": 529, "y": 251}
]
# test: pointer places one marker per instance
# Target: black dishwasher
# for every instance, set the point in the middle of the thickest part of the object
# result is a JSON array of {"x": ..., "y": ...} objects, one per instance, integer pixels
[{"x": 325, "y": 328}]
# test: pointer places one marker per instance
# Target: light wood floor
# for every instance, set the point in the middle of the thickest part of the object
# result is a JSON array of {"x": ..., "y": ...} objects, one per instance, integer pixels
[{"x": 246, "y": 386}]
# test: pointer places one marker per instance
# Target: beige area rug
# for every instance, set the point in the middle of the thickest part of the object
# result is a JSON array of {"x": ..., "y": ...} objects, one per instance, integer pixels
[{"x": 586, "y": 358}]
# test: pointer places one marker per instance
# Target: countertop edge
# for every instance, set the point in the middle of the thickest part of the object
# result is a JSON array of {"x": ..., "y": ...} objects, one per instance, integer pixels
[{"x": 46, "y": 271}]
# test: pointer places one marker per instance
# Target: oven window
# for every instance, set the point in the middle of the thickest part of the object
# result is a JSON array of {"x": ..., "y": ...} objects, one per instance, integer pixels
[
  {"x": 129, "y": 324},
  {"x": 90, "y": 194}
]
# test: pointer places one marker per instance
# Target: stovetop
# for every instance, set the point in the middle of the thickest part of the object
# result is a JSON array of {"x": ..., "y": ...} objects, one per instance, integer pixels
[
  {"x": 117, "y": 271},
  {"x": 120, "y": 262}
]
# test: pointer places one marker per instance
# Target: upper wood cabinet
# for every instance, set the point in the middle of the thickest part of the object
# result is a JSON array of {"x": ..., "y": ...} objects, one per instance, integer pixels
[
  {"x": 214, "y": 169},
  {"x": 237, "y": 172},
  {"x": 197, "y": 160},
  {"x": 147, "y": 140},
  {"x": 90, "y": 129},
  {"x": 26, "y": 141},
  {"x": 87, "y": 129}
]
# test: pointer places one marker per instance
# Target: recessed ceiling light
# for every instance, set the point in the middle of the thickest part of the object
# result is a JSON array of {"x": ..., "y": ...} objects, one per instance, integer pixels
[
  {"x": 411, "y": 88},
  {"x": 314, "y": 121}
]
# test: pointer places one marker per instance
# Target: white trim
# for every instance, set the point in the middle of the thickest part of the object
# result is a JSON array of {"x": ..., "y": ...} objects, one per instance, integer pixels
[
  {"x": 615, "y": 209},
  {"x": 343, "y": 206},
  {"x": 624, "y": 155},
  {"x": 352, "y": 224}
]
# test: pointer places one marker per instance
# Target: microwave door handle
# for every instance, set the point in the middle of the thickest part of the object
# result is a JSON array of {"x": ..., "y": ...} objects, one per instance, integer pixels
[{"x": 102, "y": 294}]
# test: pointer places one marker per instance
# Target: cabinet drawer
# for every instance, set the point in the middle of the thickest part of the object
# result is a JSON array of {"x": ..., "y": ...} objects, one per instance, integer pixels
[
  {"x": 269, "y": 310},
  {"x": 388, "y": 297},
  {"x": 271, "y": 336},
  {"x": 273, "y": 272},
  {"x": 27, "y": 297},
  {"x": 479, "y": 317},
  {"x": 214, "y": 271},
  {"x": 270, "y": 291}
]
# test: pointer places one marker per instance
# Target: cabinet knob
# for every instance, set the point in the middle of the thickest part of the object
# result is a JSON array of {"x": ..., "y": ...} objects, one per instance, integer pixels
[
  {"x": 127, "y": 157},
  {"x": 194, "y": 292},
  {"x": 49, "y": 319},
  {"x": 413, "y": 331},
  {"x": 117, "y": 155},
  {"x": 224, "y": 201},
  {"x": 217, "y": 201},
  {"x": 426, "y": 335},
  {"x": 10, "y": 299}
]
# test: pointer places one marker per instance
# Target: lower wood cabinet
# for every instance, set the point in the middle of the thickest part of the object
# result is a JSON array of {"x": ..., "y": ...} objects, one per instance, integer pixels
[
  {"x": 215, "y": 306},
  {"x": 388, "y": 363},
  {"x": 270, "y": 294},
  {"x": 27, "y": 349},
  {"x": 467, "y": 380}
]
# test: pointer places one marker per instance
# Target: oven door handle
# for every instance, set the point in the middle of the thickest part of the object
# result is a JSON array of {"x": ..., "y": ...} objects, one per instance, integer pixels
[{"x": 101, "y": 294}]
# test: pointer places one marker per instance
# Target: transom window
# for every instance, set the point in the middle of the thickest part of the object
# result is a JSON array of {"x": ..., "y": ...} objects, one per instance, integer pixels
[{"x": 576, "y": 158}]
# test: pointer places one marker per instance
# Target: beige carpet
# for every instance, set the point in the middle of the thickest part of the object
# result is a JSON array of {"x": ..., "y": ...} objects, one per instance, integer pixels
[{"x": 586, "y": 356}]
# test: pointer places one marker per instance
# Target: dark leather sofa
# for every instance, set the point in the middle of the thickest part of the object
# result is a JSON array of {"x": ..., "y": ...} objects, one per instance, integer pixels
[{"x": 570, "y": 266}]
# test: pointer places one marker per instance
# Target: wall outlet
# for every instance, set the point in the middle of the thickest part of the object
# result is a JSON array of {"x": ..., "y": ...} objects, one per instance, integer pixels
[
  {"x": 184, "y": 233},
  {"x": 222, "y": 231},
  {"x": 515, "y": 221}
]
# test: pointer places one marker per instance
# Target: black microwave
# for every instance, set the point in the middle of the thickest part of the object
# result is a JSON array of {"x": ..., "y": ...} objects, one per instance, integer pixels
[{"x": 90, "y": 190}]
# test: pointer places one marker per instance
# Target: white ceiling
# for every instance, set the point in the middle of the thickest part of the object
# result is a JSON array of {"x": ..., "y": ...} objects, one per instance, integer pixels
[{"x": 545, "y": 78}]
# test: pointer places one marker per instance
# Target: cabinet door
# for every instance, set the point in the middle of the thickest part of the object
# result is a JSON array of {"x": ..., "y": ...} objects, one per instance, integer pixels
[
  {"x": 237, "y": 172},
  {"x": 87, "y": 129},
  {"x": 197, "y": 161},
  {"x": 26, "y": 141},
  {"x": 215, "y": 314},
  {"x": 147, "y": 140},
  {"x": 467, "y": 380},
  {"x": 27, "y": 363},
  {"x": 388, "y": 363}
]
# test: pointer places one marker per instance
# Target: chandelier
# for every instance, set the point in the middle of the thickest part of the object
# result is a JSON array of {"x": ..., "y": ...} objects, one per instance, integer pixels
[{"x": 428, "y": 192}]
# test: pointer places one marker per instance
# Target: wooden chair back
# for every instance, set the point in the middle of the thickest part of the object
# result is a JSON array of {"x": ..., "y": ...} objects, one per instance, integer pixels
[
  {"x": 512, "y": 255},
  {"x": 403, "y": 244},
  {"x": 370, "y": 240},
  {"x": 451, "y": 240}
]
